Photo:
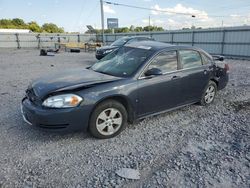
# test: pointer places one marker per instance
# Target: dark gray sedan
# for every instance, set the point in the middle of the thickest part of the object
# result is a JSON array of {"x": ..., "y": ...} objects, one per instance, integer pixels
[{"x": 138, "y": 80}]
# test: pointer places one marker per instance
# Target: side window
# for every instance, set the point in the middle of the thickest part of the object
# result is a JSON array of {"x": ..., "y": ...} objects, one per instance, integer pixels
[
  {"x": 205, "y": 59},
  {"x": 166, "y": 62},
  {"x": 190, "y": 59}
]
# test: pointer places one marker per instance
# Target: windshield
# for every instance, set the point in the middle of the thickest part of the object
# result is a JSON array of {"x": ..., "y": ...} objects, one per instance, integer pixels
[
  {"x": 123, "y": 62},
  {"x": 120, "y": 42}
]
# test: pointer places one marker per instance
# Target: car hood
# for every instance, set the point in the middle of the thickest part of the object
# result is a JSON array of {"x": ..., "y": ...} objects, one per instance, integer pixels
[
  {"x": 104, "y": 48},
  {"x": 68, "y": 80}
]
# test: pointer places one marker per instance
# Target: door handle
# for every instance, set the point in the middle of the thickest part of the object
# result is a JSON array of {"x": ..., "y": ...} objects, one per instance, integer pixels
[{"x": 175, "y": 77}]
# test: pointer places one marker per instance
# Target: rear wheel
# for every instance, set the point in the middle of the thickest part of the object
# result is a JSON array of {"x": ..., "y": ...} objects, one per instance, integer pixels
[
  {"x": 209, "y": 93},
  {"x": 108, "y": 119}
]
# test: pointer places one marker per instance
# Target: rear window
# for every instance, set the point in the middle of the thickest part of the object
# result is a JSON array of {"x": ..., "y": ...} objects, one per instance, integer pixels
[
  {"x": 205, "y": 59},
  {"x": 190, "y": 59},
  {"x": 119, "y": 42}
]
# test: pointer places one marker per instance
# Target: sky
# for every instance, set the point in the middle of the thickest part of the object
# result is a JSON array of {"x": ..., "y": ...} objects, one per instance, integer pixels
[{"x": 74, "y": 15}]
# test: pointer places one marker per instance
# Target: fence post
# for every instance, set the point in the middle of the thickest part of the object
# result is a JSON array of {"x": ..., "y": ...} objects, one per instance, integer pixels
[
  {"x": 18, "y": 41},
  {"x": 172, "y": 38},
  {"x": 39, "y": 41},
  {"x": 78, "y": 38},
  {"x": 223, "y": 41},
  {"x": 58, "y": 38},
  {"x": 192, "y": 38}
]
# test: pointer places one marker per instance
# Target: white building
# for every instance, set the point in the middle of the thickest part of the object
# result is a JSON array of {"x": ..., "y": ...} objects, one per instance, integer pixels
[{"x": 15, "y": 31}]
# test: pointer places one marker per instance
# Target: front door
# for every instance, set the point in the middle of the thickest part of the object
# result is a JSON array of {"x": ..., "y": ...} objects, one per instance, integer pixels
[{"x": 160, "y": 92}]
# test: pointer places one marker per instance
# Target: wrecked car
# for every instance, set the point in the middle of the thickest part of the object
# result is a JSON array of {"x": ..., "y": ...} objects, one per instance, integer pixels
[{"x": 138, "y": 80}]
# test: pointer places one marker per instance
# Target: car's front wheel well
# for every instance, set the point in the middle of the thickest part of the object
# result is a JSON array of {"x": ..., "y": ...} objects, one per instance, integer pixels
[
  {"x": 215, "y": 81},
  {"x": 124, "y": 102}
]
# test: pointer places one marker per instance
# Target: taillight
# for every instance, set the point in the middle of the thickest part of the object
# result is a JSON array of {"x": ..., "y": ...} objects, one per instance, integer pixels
[{"x": 226, "y": 67}]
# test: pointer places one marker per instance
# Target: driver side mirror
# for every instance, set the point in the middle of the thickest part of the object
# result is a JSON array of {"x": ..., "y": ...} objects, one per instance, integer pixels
[
  {"x": 218, "y": 58},
  {"x": 153, "y": 72}
]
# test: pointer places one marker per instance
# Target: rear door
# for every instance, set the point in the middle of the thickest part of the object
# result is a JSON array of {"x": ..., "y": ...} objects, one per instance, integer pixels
[
  {"x": 195, "y": 76},
  {"x": 160, "y": 92}
]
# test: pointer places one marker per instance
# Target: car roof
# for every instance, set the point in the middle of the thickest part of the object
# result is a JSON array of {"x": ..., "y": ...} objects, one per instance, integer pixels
[
  {"x": 133, "y": 37},
  {"x": 158, "y": 46}
]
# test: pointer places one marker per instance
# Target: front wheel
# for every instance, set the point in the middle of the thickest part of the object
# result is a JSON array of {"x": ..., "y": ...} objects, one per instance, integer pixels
[
  {"x": 209, "y": 94},
  {"x": 108, "y": 119}
]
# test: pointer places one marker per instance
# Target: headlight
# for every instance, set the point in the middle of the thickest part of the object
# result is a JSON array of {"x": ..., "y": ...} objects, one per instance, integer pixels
[
  {"x": 62, "y": 101},
  {"x": 107, "y": 51}
]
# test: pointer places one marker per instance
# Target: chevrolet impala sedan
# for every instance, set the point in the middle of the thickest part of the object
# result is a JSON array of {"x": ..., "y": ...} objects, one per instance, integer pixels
[{"x": 136, "y": 81}]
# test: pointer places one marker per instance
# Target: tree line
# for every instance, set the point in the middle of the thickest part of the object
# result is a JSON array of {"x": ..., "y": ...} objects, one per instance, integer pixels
[
  {"x": 127, "y": 29},
  {"x": 33, "y": 26}
]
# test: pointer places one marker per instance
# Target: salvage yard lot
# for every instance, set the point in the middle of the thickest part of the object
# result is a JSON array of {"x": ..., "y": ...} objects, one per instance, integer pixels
[{"x": 192, "y": 146}]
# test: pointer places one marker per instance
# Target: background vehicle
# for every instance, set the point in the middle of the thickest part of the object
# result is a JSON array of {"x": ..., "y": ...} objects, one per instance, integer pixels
[
  {"x": 138, "y": 80},
  {"x": 103, "y": 51}
]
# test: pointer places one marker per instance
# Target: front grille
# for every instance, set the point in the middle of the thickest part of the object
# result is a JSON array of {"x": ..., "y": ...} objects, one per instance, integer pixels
[{"x": 32, "y": 97}]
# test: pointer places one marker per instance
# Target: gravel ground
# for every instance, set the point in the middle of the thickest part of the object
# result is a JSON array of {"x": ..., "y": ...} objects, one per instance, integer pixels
[{"x": 191, "y": 147}]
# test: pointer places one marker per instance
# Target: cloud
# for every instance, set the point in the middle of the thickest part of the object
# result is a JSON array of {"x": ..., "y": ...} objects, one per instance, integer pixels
[
  {"x": 179, "y": 8},
  {"x": 170, "y": 20},
  {"x": 108, "y": 9},
  {"x": 238, "y": 18},
  {"x": 156, "y": 22},
  {"x": 184, "y": 19},
  {"x": 145, "y": 21},
  {"x": 235, "y": 15}
]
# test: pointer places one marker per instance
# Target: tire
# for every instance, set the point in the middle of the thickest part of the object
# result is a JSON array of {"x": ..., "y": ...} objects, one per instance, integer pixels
[
  {"x": 74, "y": 50},
  {"x": 209, "y": 93},
  {"x": 43, "y": 52},
  {"x": 108, "y": 119}
]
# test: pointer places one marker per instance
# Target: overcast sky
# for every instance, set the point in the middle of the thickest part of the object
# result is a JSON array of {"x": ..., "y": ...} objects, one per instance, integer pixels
[{"x": 74, "y": 15}]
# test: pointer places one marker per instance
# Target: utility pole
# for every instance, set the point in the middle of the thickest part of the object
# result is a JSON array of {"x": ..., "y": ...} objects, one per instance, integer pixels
[
  {"x": 149, "y": 20},
  {"x": 193, "y": 27},
  {"x": 102, "y": 20}
]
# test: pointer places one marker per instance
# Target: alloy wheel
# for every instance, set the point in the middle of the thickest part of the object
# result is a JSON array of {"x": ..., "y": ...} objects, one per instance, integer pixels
[
  {"x": 109, "y": 121},
  {"x": 210, "y": 94}
]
